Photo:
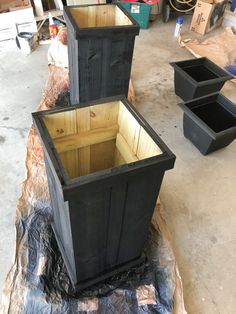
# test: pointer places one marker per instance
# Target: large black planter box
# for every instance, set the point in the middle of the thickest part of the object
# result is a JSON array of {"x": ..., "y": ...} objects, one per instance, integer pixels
[
  {"x": 198, "y": 77},
  {"x": 104, "y": 166},
  {"x": 100, "y": 47},
  {"x": 209, "y": 122}
]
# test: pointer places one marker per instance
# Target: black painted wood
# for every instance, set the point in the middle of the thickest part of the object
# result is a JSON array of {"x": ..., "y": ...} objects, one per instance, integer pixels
[
  {"x": 101, "y": 220},
  {"x": 100, "y": 59}
]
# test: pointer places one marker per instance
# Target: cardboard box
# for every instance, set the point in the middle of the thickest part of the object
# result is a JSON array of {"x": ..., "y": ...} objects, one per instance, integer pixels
[
  {"x": 8, "y": 5},
  {"x": 22, "y": 19},
  {"x": 208, "y": 14}
]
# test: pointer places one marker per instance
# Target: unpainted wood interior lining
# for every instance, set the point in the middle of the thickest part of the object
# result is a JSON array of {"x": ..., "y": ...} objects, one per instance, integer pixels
[
  {"x": 98, "y": 137},
  {"x": 99, "y": 16}
]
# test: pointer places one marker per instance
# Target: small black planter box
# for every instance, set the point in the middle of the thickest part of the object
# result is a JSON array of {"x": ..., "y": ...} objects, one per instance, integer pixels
[
  {"x": 100, "y": 46},
  {"x": 209, "y": 122},
  {"x": 198, "y": 77},
  {"x": 105, "y": 166}
]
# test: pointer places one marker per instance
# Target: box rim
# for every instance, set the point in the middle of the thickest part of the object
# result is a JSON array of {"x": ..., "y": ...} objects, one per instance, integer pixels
[
  {"x": 135, "y": 26},
  {"x": 47, "y": 141}
]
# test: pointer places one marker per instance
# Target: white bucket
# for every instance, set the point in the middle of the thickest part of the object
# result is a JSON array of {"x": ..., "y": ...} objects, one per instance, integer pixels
[{"x": 25, "y": 41}]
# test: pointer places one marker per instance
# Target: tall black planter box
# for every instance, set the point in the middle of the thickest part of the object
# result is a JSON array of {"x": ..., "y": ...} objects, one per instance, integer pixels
[
  {"x": 198, "y": 77},
  {"x": 104, "y": 166},
  {"x": 209, "y": 122},
  {"x": 100, "y": 47}
]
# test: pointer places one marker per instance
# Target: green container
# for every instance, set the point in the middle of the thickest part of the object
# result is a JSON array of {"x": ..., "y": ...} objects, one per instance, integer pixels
[{"x": 139, "y": 11}]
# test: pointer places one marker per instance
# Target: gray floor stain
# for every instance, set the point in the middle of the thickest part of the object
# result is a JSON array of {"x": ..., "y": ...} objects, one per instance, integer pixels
[
  {"x": 2, "y": 139},
  {"x": 20, "y": 130}
]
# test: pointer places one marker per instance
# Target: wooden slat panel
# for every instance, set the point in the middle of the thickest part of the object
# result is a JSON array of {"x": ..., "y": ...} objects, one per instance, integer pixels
[
  {"x": 92, "y": 16},
  {"x": 117, "y": 207},
  {"x": 89, "y": 219},
  {"x": 129, "y": 128},
  {"x": 104, "y": 115},
  {"x": 123, "y": 147},
  {"x": 121, "y": 18},
  {"x": 90, "y": 67},
  {"x": 80, "y": 15},
  {"x": 73, "y": 51},
  {"x": 142, "y": 192},
  {"x": 83, "y": 124},
  {"x": 60, "y": 124},
  {"x": 70, "y": 161},
  {"x": 102, "y": 156},
  {"x": 61, "y": 220},
  {"x": 64, "y": 124},
  {"x": 84, "y": 139},
  {"x": 118, "y": 159},
  {"x": 105, "y": 16},
  {"x": 146, "y": 146}
]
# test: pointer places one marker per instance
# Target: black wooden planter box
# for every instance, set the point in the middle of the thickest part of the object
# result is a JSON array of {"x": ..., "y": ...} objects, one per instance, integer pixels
[
  {"x": 100, "y": 46},
  {"x": 209, "y": 122},
  {"x": 198, "y": 77},
  {"x": 105, "y": 166}
]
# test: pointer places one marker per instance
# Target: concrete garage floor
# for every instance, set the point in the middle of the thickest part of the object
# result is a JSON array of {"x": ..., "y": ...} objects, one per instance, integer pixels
[{"x": 198, "y": 195}]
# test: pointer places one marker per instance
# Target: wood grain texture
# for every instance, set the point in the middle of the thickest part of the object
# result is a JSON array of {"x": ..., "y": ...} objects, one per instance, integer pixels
[
  {"x": 87, "y": 138},
  {"x": 125, "y": 150},
  {"x": 146, "y": 146},
  {"x": 129, "y": 128}
]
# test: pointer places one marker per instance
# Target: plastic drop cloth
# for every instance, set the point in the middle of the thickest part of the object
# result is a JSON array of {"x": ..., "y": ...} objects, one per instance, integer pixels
[{"x": 38, "y": 280}]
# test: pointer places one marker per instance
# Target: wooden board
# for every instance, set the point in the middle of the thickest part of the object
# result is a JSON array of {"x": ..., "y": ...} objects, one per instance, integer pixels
[{"x": 83, "y": 124}]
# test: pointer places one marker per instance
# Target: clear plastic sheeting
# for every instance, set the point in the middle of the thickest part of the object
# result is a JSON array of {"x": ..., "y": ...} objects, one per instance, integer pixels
[
  {"x": 43, "y": 286},
  {"x": 38, "y": 281}
]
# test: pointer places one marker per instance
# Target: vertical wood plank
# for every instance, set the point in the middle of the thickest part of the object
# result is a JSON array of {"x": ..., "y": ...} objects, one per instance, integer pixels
[
  {"x": 91, "y": 19},
  {"x": 117, "y": 207},
  {"x": 89, "y": 219},
  {"x": 90, "y": 68},
  {"x": 146, "y": 146},
  {"x": 129, "y": 128},
  {"x": 104, "y": 115},
  {"x": 138, "y": 212},
  {"x": 70, "y": 158},
  {"x": 80, "y": 15},
  {"x": 105, "y": 16},
  {"x": 102, "y": 156},
  {"x": 118, "y": 159},
  {"x": 73, "y": 57},
  {"x": 60, "y": 125},
  {"x": 121, "y": 18},
  {"x": 83, "y": 124}
]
